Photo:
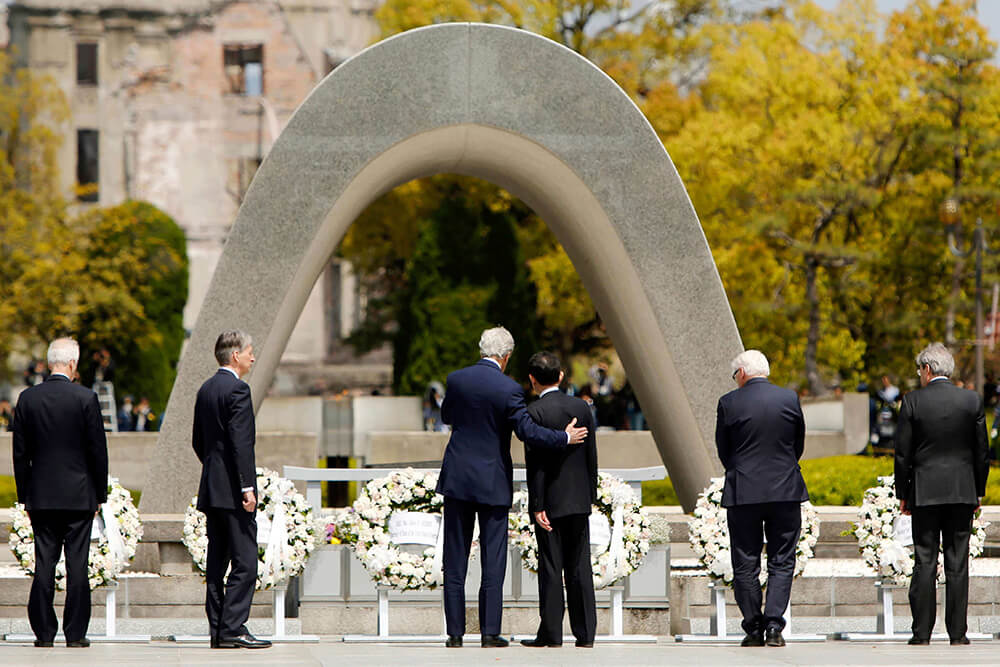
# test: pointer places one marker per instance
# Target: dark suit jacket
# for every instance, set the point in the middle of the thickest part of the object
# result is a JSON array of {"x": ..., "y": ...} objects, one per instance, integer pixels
[
  {"x": 60, "y": 450},
  {"x": 942, "y": 455},
  {"x": 760, "y": 435},
  {"x": 224, "y": 437},
  {"x": 483, "y": 406},
  {"x": 562, "y": 481}
]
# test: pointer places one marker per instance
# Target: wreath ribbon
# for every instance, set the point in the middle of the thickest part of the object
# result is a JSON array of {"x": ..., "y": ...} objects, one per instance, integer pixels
[
  {"x": 113, "y": 531},
  {"x": 277, "y": 539}
]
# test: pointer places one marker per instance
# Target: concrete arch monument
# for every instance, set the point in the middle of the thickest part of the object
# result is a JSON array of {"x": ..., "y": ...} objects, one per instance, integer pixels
[{"x": 531, "y": 116}]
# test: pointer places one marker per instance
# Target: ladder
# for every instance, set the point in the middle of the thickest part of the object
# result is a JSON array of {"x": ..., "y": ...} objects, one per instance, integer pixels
[{"x": 106, "y": 398}]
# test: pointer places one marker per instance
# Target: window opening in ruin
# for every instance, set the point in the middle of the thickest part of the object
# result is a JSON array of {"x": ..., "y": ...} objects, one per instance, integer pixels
[
  {"x": 87, "y": 172},
  {"x": 86, "y": 64},
  {"x": 244, "y": 67}
]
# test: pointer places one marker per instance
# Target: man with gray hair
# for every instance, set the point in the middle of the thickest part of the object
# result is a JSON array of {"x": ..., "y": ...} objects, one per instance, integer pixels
[
  {"x": 760, "y": 436},
  {"x": 61, "y": 472},
  {"x": 223, "y": 438},
  {"x": 942, "y": 461},
  {"x": 483, "y": 406}
]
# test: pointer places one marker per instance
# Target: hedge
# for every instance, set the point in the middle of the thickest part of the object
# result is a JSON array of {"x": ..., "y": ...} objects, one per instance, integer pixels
[{"x": 836, "y": 480}]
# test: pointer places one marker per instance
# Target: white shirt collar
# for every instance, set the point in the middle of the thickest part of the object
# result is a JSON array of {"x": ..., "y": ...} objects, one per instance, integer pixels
[
  {"x": 938, "y": 377},
  {"x": 494, "y": 361},
  {"x": 548, "y": 391},
  {"x": 59, "y": 374},
  {"x": 227, "y": 368}
]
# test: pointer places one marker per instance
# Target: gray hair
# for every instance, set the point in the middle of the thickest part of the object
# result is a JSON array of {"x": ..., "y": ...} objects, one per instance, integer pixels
[
  {"x": 938, "y": 358},
  {"x": 63, "y": 351},
  {"x": 496, "y": 342},
  {"x": 229, "y": 342},
  {"x": 753, "y": 363}
]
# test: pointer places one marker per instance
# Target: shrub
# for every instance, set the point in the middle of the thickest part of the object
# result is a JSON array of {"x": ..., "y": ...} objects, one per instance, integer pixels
[{"x": 836, "y": 480}]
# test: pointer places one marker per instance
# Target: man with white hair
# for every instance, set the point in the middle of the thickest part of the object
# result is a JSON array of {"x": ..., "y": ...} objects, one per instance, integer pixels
[
  {"x": 483, "y": 406},
  {"x": 942, "y": 461},
  {"x": 760, "y": 435},
  {"x": 61, "y": 472}
]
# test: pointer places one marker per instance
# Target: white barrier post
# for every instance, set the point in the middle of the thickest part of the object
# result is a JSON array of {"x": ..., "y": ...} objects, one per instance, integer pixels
[
  {"x": 383, "y": 611},
  {"x": 110, "y": 604},
  {"x": 617, "y": 614},
  {"x": 717, "y": 624},
  {"x": 279, "y": 609}
]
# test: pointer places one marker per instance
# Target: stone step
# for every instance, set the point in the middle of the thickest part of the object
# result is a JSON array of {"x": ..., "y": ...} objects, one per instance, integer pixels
[
  {"x": 157, "y": 628},
  {"x": 137, "y": 596}
]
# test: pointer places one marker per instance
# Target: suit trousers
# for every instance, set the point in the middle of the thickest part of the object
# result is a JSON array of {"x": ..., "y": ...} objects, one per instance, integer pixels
[
  {"x": 565, "y": 551},
  {"x": 232, "y": 543},
  {"x": 459, "y": 520},
  {"x": 54, "y": 530},
  {"x": 748, "y": 524},
  {"x": 931, "y": 523}
]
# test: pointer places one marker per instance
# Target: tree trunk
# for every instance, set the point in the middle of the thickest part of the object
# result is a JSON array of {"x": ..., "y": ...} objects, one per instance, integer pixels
[
  {"x": 956, "y": 291},
  {"x": 816, "y": 386}
]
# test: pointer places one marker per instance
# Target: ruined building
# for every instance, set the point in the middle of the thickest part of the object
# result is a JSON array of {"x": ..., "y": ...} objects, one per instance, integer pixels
[{"x": 176, "y": 102}]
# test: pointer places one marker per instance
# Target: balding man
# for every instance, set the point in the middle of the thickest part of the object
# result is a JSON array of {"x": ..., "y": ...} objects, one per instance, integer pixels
[
  {"x": 61, "y": 472},
  {"x": 760, "y": 435}
]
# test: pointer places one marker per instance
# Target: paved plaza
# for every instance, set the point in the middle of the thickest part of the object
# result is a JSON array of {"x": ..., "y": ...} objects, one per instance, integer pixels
[{"x": 331, "y": 651}]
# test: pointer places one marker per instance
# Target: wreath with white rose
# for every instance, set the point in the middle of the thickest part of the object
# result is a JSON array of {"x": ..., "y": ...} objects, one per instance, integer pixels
[
  {"x": 608, "y": 565},
  {"x": 367, "y": 527},
  {"x": 878, "y": 543},
  {"x": 285, "y": 527},
  {"x": 109, "y": 555},
  {"x": 708, "y": 534}
]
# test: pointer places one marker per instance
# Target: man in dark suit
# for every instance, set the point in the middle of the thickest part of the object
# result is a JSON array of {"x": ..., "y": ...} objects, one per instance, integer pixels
[
  {"x": 61, "y": 472},
  {"x": 942, "y": 460},
  {"x": 483, "y": 406},
  {"x": 223, "y": 438},
  {"x": 562, "y": 487},
  {"x": 760, "y": 435}
]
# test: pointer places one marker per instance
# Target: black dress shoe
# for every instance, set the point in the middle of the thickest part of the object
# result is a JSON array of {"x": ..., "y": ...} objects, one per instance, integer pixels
[
  {"x": 583, "y": 644},
  {"x": 494, "y": 641},
  {"x": 917, "y": 641},
  {"x": 774, "y": 637},
  {"x": 753, "y": 639},
  {"x": 246, "y": 640},
  {"x": 453, "y": 642},
  {"x": 83, "y": 642},
  {"x": 960, "y": 641},
  {"x": 538, "y": 642},
  {"x": 42, "y": 644}
]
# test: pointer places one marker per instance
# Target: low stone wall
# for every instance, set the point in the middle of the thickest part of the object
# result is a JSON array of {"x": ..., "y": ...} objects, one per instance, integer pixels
[{"x": 129, "y": 454}]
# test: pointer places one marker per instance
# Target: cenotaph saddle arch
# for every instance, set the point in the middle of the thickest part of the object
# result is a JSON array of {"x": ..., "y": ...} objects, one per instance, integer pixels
[{"x": 529, "y": 115}]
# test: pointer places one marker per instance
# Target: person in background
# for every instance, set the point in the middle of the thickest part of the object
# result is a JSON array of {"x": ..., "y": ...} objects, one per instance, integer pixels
[
  {"x": 889, "y": 393},
  {"x": 126, "y": 420},
  {"x": 6, "y": 414},
  {"x": 941, "y": 467},
  {"x": 143, "y": 417}
]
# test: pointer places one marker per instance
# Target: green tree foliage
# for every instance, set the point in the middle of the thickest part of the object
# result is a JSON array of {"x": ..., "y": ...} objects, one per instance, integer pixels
[
  {"x": 136, "y": 262},
  {"x": 466, "y": 274},
  {"x": 817, "y": 147}
]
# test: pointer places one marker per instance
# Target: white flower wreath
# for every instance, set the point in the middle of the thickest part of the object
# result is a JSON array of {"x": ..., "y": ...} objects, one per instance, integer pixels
[
  {"x": 401, "y": 491},
  {"x": 616, "y": 501},
  {"x": 880, "y": 548},
  {"x": 285, "y": 528},
  {"x": 109, "y": 554},
  {"x": 708, "y": 534}
]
